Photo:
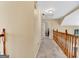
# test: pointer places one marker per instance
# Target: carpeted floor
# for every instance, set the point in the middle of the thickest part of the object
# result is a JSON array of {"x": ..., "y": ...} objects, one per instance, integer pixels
[{"x": 49, "y": 49}]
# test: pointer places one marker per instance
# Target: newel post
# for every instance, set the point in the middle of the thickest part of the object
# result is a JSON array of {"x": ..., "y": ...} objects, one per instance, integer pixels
[
  {"x": 53, "y": 33},
  {"x": 4, "y": 42},
  {"x": 66, "y": 34},
  {"x": 57, "y": 34},
  {"x": 66, "y": 51}
]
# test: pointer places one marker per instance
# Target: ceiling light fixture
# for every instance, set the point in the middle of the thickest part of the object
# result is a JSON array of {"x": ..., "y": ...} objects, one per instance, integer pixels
[{"x": 50, "y": 10}]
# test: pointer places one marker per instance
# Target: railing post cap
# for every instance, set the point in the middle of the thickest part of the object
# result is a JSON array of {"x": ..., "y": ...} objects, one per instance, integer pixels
[
  {"x": 3, "y": 29},
  {"x": 66, "y": 30}
]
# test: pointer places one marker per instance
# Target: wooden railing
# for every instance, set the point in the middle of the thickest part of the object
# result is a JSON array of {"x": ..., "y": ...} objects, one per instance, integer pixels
[
  {"x": 3, "y": 39},
  {"x": 67, "y": 43}
]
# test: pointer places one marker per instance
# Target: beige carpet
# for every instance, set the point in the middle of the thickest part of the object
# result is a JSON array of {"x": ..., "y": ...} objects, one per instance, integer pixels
[{"x": 49, "y": 49}]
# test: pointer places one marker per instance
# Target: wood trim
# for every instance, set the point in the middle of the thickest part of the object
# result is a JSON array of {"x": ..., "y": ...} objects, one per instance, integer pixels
[
  {"x": 67, "y": 42},
  {"x": 3, "y": 35}
]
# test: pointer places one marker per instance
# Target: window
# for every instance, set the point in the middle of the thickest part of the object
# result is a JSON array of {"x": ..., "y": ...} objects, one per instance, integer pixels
[{"x": 76, "y": 32}]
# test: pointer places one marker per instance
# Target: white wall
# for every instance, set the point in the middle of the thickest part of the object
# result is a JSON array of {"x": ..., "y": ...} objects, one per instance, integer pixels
[
  {"x": 18, "y": 20},
  {"x": 37, "y": 31},
  {"x": 55, "y": 25}
]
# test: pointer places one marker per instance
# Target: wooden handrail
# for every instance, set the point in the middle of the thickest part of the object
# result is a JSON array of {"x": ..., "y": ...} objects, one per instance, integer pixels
[
  {"x": 67, "y": 34},
  {"x": 1, "y": 35},
  {"x": 67, "y": 42}
]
